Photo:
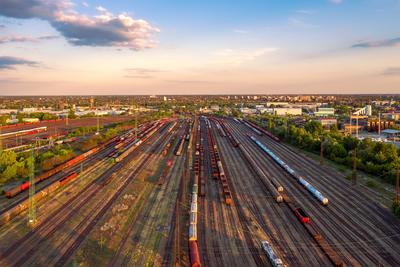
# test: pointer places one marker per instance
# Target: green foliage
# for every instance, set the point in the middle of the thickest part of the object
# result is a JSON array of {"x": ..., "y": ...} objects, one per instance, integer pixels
[
  {"x": 54, "y": 157},
  {"x": 396, "y": 208},
  {"x": 12, "y": 167},
  {"x": 376, "y": 158},
  {"x": 71, "y": 114},
  {"x": 3, "y": 120},
  {"x": 371, "y": 183},
  {"x": 41, "y": 116}
]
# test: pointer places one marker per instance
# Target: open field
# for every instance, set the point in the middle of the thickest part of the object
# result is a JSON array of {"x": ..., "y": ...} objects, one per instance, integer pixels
[{"x": 54, "y": 128}]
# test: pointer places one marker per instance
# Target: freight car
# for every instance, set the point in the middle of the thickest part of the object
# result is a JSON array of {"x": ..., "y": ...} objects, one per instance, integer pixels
[
  {"x": 194, "y": 254},
  {"x": 272, "y": 257},
  {"x": 294, "y": 174},
  {"x": 130, "y": 148},
  {"x": 17, "y": 209},
  {"x": 302, "y": 215},
  {"x": 172, "y": 127},
  {"x": 24, "y": 132},
  {"x": 232, "y": 139},
  {"x": 238, "y": 121},
  {"x": 179, "y": 147},
  {"x": 68, "y": 178},
  {"x": 262, "y": 130},
  {"x": 192, "y": 232},
  {"x": 273, "y": 187},
  {"x": 220, "y": 129},
  {"x": 16, "y": 190},
  {"x": 143, "y": 136},
  {"x": 252, "y": 128}
]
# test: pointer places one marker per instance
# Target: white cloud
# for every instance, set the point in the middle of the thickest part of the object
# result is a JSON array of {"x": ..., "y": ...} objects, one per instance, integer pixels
[
  {"x": 21, "y": 39},
  {"x": 240, "y": 31},
  {"x": 106, "y": 29},
  {"x": 298, "y": 23},
  {"x": 12, "y": 62},
  {"x": 306, "y": 11},
  {"x": 237, "y": 57}
]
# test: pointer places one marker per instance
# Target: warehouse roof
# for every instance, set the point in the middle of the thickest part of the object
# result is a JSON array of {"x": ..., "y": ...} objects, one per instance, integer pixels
[{"x": 391, "y": 131}]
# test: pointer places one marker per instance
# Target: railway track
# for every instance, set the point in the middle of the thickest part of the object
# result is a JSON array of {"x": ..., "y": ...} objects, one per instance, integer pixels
[
  {"x": 349, "y": 239},
  {"x": 273, "y": 170},
  {"x": 250, "y": 189},
  {"x": 225, "y": 246},
  {"x": 156, "y": 214},
  {"x": 64, "y": 213},
  {"x": 7, "y": 204},
  {"x": 121, "y": 253},
  {"x": 300, "y": 247},
  {"x": 383, "y": 246}
]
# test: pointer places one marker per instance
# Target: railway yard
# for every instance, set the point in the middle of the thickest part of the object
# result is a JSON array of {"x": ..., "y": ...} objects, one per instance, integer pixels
[
  {"x": 196, "y": 191},
  {"x": 26, "y": 133}
]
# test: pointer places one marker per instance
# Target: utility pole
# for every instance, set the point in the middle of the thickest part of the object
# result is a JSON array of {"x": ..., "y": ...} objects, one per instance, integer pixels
[
  {"x": 351, "y": 129},
  {"x": 379, "y": 124},
  {"x": 357, "y": 126},
  {"x": 397, "y": 186},
  {"x": 98, "y": 124},
  {"x": 321, "y": 158},
  {"x": 287, "y": 127},
  {"x": 1, "y": 138},
  {"x": 354, "y": 174},
  {"x": 32, "y": 204},
  {"x": 136, "y": 129}
]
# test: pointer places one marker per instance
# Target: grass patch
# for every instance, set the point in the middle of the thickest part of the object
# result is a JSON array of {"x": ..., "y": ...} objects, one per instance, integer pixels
[{"x": 371, "y": 183}]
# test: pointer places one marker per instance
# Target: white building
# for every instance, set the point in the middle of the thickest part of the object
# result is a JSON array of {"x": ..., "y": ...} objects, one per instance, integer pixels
[
  {"x": 248, "y": 110},
  {"x": 365, "y": 111},
  {"x": 30, "y": 120},
  {"x": 325, "y": 112},
  {"x": 214, "y": 108},
  {"x": 287, "y": 111},
  {"x": 29, "y": 110}
]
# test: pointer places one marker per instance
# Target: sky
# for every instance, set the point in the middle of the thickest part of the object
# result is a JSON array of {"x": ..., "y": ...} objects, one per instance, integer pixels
[{"x": 91, "y": 47}]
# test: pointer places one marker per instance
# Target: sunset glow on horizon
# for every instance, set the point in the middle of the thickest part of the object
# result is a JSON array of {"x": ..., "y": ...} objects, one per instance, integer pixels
[{"x": 199, "y": 47}]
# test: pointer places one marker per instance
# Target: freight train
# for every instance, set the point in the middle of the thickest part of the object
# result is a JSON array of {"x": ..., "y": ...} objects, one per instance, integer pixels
[
  {"x": 262, "y": 130},
  {"x": 252, "y": 128},
  {"x": 24, "y": 132},
  {"x": 17, "y": 209},
  {"x": 231, "y": 138},
  {"x": 273, "y": 186},
  {"x": 293, "y": 173},
  {"x": 143, "y": 136},
  {"x": 193, "y": 248},
  {"x": 272, "y": 257},
  {"x": 179, "y": 147},
  {"x": 18, "y": 189}
]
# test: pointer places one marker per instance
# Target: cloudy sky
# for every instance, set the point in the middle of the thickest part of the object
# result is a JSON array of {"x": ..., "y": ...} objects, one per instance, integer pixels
[{"x": 199, "y": 46}]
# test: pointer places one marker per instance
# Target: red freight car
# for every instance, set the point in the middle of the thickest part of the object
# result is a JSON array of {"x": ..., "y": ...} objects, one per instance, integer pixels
[
  {"x": 68, "y": 178},
  {"x": 302, "y": 215},
  {"x": 24, "y": 186},
  {"x": 194, "y": 254}
]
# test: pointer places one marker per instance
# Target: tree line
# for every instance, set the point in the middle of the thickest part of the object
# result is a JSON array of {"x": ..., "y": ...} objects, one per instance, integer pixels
[{"x": 376, "y": 158}]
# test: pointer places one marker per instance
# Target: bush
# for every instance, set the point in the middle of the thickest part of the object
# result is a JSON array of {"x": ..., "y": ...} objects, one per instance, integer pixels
[
  {"x": 396, "y": 208},
  {"x": 371, "y": 183},
  {"x": 372, "y": 157}
]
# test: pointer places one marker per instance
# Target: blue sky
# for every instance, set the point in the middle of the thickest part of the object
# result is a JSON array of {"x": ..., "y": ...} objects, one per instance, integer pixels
[{"x": 220, "y": 46}]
